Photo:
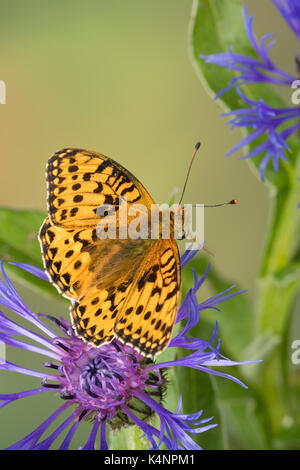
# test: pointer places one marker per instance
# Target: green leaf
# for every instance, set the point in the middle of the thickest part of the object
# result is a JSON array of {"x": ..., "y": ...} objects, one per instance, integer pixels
[
  {"x": 19, "y": 244},
  {"x": 243, "y": 417}
]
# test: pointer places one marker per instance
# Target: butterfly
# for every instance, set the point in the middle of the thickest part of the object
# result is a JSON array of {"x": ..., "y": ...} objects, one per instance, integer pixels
[{"x": 127, "y": 289}]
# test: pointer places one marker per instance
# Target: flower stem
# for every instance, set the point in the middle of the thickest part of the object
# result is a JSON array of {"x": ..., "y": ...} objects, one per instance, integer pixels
[
  {"x": 128, "y": 438},
  {"x": 279, "y": 283}
]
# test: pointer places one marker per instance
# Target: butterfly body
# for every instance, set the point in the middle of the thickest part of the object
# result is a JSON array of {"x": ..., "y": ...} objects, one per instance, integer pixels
[{"x": 126, "y": 288}]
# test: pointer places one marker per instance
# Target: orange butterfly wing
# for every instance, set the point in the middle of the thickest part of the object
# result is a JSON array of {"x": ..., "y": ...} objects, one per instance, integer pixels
[
  {"x": 105, "y": 277},
  {"x": 148, "y": 314},
  {"x": 79, "y": 181}
]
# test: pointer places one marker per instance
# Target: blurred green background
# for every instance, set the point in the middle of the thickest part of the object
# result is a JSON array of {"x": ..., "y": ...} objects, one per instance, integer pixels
[{"x": 116, "y": 77}]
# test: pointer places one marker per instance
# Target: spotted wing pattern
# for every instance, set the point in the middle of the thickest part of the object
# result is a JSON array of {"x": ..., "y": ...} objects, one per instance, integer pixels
[
  {"x": 94, "y": 314},
  {"x": 120, "y": 288},
  {"x": 79, "y": 181},
  {"x": 148, "y": 314},
  {"x": 66, "y": 255},
  {"x": 96, "y": 274}
]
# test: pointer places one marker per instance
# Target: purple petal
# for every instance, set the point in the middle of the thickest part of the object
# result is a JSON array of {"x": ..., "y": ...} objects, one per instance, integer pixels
[
  {"x": 149, "y": 430},
  {"x": 187, "y": 257},
  {"x": 176, "y": 426},
  {"x": 263, "y": 165},
  {"x": 10, "y": 398},
  {"x": 90, "y": 445},
  {"x": 290, "y": 10},
  {"x": 29, "y": 441},
  {"x": 6, "y": 365},
  {"x": 247, "y": 140},
  {"x": 10, "y": 298},
  {"x": 46, "y": 444},
  {"x": 67, "y": 441},
  {"x": 28, "y": 347},
  {"x": 103, "y": 442},
  {"x": 10, "y": 327},
  {"x": 27, "y": 393},
  {"x": 32, "y": 270}
]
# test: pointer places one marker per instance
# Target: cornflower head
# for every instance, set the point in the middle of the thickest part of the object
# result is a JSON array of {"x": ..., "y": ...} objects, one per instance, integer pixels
[
  {"x": 113, "y": 385},
  {"x": 257, "y": 117}
]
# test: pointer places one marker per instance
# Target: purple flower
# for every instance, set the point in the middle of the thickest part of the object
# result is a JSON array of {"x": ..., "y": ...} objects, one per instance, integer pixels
[
  {"x": 260, "y": 119},
  {"x": 111, "y": 386},
  {"x": 251, "y": 70},
  {"x": 264, "y": 120}
]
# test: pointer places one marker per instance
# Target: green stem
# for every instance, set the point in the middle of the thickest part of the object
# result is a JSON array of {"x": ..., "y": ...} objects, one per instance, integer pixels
[
  {"x": 275, "y": 300},
  {"x": 280, "y": 270},
  {"x": 285, "y": 234},
  {"x": 279, "y": 283},
  {"x": 128, "y": 438}
]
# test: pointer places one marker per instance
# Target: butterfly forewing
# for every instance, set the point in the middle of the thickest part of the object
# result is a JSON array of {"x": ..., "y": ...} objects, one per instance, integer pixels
[{"x": 79, "y": 181}]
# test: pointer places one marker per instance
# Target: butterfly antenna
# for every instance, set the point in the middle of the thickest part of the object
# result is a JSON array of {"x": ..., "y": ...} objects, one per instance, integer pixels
[
  {"x": 197, "y": 146},
  {"x": 229, "y": 203}
]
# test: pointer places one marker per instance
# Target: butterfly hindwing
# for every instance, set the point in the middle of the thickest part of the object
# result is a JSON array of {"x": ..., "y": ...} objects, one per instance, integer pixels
[
  {"x": 147, "y": 317},
  {"x": 94, "y": 314},
  {"x": 67, "y": 256}
]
